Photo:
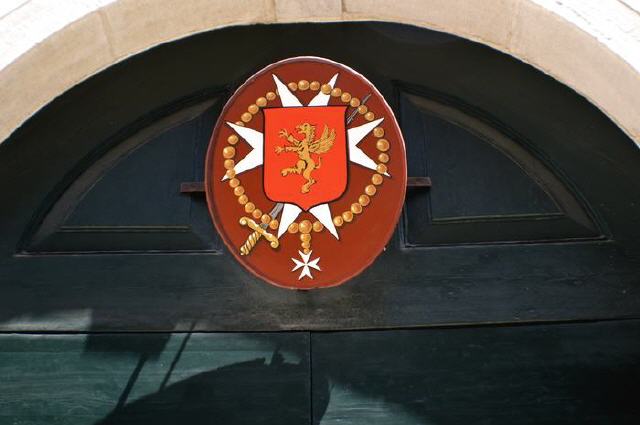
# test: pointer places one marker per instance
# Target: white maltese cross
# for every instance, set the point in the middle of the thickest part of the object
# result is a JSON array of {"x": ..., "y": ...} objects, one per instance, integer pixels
[{"x": 306, "y": 265}]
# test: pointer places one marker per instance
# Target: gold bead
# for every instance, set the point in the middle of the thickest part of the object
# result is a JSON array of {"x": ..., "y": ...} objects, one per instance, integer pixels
[
  {"x": 238, "y": 191},
  {"x": 229, "y": 152},
  {"x": 233, "y": 139},
  {"x": 306, "y": 246},
  {"x": 336, "y": 92},
  {"x": 315, "y": 85},
  {"x": 376, "y": 179},
  {"x": 347, "y": 216},
  {"x": 293, "y": 86},
  {"x": 230, "y": 173},
  {"x": 253, "y": 109},
  {"x": 364, "y": 200},
  {"x": 381, "y": 168},
  {"x": 256, "y": 213},
  {"x": 326, "y": 88},
  {"x": 338, "y": 221},
  {"x": 370, "y": 190},
  {"x": 249, "y": 207},
  {"x": 306, "y": 250},
  {"x": 303, "y": 85},
  {"x": 362, "y": 109},
  {"x": 242, "y": 200},
  {"x": 345, "y": 97},
  {"x": 382, "y": 145},
  {"x": 378, "y": 131},
  {"x": 240, "y": 123},
  {"x": 293, "y": 228},
  {"x": 234, "y": 183},
  {"x": 305, "y": 226},
  {"x": 369, "y": 116},
  {"x": 271, "y": 95},
  {"x": 265, "y": 219},
  {"x": 274, "y": 224},
  {"x": 317, "y": 226},
  {"x": 383, "y": 157},
  {"x": 229, "y": 164},
  {"x": 261, "y": 102},
  {"x": 246, "y": 117},
  {"x": 355, "y": 102},
  {"x": 356, "y": 208},
  {"x": 305, "y": 237}
]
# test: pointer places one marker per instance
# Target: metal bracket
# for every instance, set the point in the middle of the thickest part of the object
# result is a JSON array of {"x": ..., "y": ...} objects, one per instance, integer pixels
[{"x": 412, "y": 182}]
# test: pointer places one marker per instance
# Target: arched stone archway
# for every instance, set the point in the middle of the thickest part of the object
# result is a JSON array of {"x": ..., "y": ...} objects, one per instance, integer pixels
[{"x": 47, "y": 49}]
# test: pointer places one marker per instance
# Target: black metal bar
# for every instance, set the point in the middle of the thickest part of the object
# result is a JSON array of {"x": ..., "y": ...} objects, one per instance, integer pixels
[
  {"x": 419, "y": 182},
  {"x": 192, "y": 187},
  {"x": 198, "y": 187}
]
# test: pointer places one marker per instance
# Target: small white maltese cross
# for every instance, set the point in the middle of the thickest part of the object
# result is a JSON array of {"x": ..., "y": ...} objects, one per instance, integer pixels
[{"x": 306, "y": 265}]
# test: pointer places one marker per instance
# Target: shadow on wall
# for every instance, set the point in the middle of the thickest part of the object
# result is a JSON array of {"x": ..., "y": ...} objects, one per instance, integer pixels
[
  {"x": 251, "y": 392},
  {"x": 541, "y": 374}
]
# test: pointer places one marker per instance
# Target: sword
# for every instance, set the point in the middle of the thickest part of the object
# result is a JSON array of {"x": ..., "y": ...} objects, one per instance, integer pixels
[{"x": 259, "y": 231}]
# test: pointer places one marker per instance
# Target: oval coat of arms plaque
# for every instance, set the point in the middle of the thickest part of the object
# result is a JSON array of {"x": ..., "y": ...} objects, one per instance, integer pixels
[{"x": 306, "y": 173}]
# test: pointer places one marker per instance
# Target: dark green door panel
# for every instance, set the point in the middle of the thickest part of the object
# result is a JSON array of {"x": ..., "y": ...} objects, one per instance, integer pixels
[
  {"x": 543, "y": 374},
  {"x": 516, "y": 249},
  {"x": 491, "y": 185},
  {"x": 127, "y": 202},
  {"x": 414, "y": 288},
  {"x": 154, "y": 379},
  {"x": 537, "y": 374}
]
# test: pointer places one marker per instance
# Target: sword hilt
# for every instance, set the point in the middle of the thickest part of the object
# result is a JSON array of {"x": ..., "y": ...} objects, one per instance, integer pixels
[
  {"x": 258, "y": 232},
  {"x": 251, "y": 241}
]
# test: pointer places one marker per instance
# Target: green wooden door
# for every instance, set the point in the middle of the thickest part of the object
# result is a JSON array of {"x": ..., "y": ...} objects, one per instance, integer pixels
[{"x": 509, "y": 293}]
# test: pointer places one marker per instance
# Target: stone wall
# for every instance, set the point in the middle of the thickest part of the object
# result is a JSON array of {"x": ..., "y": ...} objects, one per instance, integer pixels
[{"x": 47, "y": 47}]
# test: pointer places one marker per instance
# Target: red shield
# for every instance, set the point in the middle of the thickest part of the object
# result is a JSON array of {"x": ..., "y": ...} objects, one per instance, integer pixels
[{"x": 305, "y": 154}]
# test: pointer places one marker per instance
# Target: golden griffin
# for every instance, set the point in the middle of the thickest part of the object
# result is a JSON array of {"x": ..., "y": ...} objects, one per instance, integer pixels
[{"x": 304, "y": 148}]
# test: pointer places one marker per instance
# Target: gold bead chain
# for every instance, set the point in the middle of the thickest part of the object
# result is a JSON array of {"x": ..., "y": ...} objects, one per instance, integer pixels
[{"x": 305, "y": 227}]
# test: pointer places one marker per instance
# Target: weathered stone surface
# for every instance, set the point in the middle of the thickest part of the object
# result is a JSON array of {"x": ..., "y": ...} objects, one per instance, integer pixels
[{"x": 591, "y": 46}]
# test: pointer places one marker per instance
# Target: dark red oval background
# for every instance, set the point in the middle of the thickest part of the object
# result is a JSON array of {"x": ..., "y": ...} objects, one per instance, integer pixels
[{"x": 362, "y": 240}]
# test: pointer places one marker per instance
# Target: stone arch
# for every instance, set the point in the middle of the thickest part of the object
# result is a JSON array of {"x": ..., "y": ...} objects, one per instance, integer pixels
[{"x": 590, "y": 46}]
